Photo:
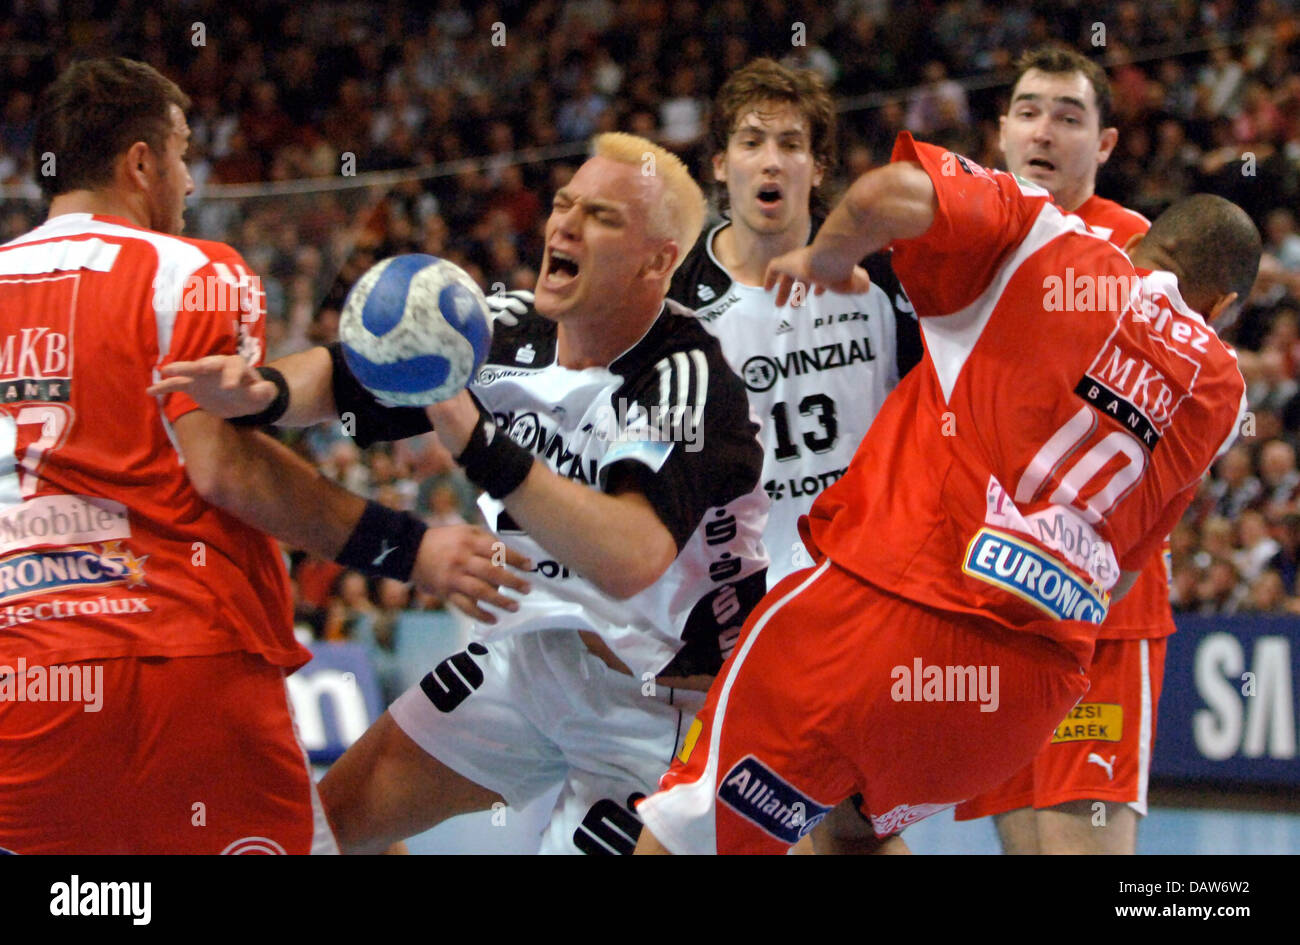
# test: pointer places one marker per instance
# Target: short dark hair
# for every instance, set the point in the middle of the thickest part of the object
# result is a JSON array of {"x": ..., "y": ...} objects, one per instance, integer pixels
[
  {"x": 765, "y": 80},
  {"x": 1215, "y": 244},
  {"x": 93, "y": 112},
  {"x": 1056, "y": 59}
]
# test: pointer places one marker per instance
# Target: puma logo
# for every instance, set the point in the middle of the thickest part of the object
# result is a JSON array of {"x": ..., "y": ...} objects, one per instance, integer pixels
[
  {"x": 1096, "y": 759},
  {"x": 385, "y": 550}
]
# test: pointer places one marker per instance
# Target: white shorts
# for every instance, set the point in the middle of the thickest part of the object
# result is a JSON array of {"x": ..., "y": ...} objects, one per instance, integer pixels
[{"x": 526, "y": 713}]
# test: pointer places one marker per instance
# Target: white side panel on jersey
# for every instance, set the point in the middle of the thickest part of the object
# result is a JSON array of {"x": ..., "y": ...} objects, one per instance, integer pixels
[
  {"x": 63, "y": 256},
  {"x": 951, "y": 338},
  {"x": 177, "y": 261}
]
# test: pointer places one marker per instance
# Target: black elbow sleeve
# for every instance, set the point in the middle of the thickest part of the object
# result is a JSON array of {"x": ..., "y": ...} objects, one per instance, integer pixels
[{"x": 370, "y": 421}]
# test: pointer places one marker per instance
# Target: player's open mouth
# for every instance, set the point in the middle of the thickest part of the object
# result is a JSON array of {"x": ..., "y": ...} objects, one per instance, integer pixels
[
  {"x": 561, "y": 269},
  {"x": 1041, "y": 164},
  {"x": 769, "y": 196}
]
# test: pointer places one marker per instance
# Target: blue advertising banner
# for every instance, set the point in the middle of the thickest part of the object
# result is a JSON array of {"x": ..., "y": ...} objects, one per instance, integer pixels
[
  {"x": 1228, "y": 710},
  {"x": 335, "y": 698}
]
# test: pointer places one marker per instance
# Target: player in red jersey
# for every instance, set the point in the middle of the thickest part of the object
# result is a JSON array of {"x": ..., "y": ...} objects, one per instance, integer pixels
[
  {"x": 145, "y": 624},
  {"x": 1084, "y": 791},
  {"x": 1008, "y": 487}
]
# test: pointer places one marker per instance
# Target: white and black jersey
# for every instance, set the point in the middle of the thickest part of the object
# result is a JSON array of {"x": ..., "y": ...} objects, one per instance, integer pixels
[
  {"x": 670, "y": 414},
  {"x": 816, "y": 375}
]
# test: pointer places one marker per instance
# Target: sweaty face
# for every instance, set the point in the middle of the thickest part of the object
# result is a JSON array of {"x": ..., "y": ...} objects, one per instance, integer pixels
[
  {"x": 769, "y": 168},
  {"x": 597, "y": 238},
  {"x": 172, "y": 182},
  {"x": 1052, "y": 136}
]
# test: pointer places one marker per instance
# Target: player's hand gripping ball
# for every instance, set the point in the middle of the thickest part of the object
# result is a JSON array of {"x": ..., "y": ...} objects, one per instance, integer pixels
[{"x": 415, "y": 330}]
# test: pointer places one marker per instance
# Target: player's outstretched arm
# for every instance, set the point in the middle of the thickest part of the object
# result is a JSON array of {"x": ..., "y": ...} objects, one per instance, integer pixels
[
  {"x": 264, "y": 484},
  {"x": 894, "y": 202},
  {"x": 226, "y": 386},
  {"x": 615, "y": 540},
  {"x": 465, "y": 565}
]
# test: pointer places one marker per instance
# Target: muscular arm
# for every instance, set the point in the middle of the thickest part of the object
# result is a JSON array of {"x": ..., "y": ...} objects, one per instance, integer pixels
[
  {"x": 225, "y": 386},
  {"x": 264, "y": 484},
  {"x": 894, "y": 202},
  {"x": 311, "y": 393},
  {"x": 614, "y": 540},
  {"x": 321, "y": 389}
]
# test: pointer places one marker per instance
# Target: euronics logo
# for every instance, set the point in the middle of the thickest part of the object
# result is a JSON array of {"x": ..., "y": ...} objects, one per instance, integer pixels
[
  {"x": 1033, "y": 576},
  {"x": 42, "y": 572}
]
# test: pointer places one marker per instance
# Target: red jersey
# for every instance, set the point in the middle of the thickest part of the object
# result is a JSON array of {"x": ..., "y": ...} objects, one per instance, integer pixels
[
  {"x": 1110, "y": 220},
  {"x": 1144, "y": 613},
  {"x": 1064, "y": 414},
  {"x": 106, "y": 549}
]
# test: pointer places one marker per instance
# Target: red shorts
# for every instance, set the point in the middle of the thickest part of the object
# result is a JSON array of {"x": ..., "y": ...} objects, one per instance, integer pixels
[
  {"x": 1102, "y": 750},
  {"x": 837, "y": 687},
  {"x": 189, "y": 755}
]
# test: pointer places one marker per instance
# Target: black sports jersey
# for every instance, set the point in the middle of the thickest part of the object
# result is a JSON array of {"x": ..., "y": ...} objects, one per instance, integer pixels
[{"x": 670, "y": 413}]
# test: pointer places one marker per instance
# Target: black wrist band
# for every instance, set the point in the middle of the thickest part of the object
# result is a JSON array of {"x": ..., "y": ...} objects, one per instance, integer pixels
[
  {"x": 493, "y": 461},
  {"x": 385, "y": 543},
  {"x": 275, "y": 410}
]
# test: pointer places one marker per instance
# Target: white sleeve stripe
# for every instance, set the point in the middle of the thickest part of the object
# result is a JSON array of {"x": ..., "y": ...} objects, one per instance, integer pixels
[
  {"x": 61, "y": 256},
  {"x": 683, "y": 385},
  {"x": 701, "y": 387},
  {"x": 701, "y": 377},
  {"x": 1134, "y": 213},
  {"x": 683, "y": 369}
]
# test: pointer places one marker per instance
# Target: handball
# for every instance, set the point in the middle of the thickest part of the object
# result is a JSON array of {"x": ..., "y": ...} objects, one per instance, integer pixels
[{"x": 415, "y": 330}]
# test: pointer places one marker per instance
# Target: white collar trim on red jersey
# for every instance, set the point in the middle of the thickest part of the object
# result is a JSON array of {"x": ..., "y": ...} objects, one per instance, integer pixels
[{"x": 1166, "y": 283}]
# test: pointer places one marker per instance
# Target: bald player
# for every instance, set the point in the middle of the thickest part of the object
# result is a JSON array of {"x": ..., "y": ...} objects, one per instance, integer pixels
[
  {"x": 616, "y": 451},
  {"x": 1085, "y": 790}
]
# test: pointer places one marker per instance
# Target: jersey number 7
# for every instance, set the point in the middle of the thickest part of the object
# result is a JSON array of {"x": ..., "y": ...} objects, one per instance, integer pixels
[{"x": 27, "y": 433}]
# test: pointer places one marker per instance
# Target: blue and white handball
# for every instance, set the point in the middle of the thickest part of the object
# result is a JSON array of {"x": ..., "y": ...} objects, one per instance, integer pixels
[{"x": 415, "y": 330}]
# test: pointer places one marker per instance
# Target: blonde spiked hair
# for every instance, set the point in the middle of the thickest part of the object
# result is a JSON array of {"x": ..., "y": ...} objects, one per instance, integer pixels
[{"x": 679, "y": 215}]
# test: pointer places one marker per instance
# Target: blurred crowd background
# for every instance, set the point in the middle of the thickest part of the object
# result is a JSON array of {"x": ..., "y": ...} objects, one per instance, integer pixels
[{"x": 474, "y": 113}]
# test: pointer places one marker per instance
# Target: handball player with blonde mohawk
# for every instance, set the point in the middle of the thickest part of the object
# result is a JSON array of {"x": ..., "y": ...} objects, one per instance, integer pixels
[{"x": 629, "y": 476}]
